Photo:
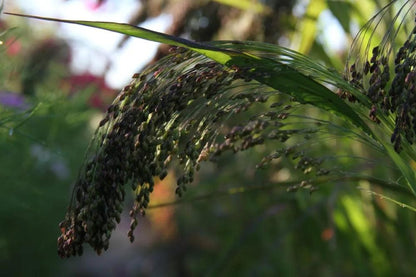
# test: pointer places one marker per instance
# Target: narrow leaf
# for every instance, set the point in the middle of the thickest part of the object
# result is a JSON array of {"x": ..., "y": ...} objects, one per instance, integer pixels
[
  {"x": 382, "y": 196},
  {"x": 274, "y": 74}
]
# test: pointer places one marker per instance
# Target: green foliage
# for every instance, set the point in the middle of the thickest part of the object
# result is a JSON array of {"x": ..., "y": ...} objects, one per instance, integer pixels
[
  {"x": 268, "y": 118},
  {"x": 42, "y": 138},
  {"x": 38, "y": 162},
  {"x": 176, "y": 122}
]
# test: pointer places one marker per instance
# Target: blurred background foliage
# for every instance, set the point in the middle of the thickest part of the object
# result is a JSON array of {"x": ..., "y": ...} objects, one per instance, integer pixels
[{"x": 235, "y": 220}]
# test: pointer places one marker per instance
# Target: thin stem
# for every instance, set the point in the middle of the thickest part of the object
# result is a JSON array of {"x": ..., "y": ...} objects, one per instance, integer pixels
[{"x": 353, "y": 178}]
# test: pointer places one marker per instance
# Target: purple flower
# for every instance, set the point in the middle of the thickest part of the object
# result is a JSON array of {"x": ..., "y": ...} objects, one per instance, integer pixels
[{"x": 13, "y": 100}]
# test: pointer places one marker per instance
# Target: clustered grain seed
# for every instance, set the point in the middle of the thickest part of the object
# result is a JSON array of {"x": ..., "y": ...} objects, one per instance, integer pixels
[
  {"x": 175, "y": 110},
  {"x": 135, "y": 142},
  {"x": 398, "y": 95}
]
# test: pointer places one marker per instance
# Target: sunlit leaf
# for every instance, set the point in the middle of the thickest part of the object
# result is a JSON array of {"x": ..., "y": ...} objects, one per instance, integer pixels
[
  {"x": 246, "y": 5},
  {"x": 276, "y": 75},
  {"x": 342, "y": 11},
  {"x": 307, "y": 27}
]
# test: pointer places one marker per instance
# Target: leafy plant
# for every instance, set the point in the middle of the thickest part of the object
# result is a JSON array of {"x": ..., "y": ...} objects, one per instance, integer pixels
[{"x": 205, "y": 100}]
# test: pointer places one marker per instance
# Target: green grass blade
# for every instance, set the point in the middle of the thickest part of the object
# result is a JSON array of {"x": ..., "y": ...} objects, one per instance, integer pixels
[
  {"x": 274, "y": 74},
  {"x": 382, "y": 196},
  {"x": 404, "y": 167},
  {"x": 219, "y": 55}
]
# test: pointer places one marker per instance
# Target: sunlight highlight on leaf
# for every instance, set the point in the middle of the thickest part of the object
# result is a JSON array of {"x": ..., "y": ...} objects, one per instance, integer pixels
[
  {"x": 383, "y": 196},
  {"x": 246, "y": 5},
  {"x": 276, "y": 75},
  {"x": 304, "y": 39}
]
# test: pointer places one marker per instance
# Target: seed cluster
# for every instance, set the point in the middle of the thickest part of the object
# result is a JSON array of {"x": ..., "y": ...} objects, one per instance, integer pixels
[
  {"x": 180, "y": 110},
  {"x": 403, "y": 92},
  {"x": 143, "y": 130},
  {"x": 398, "y": 95}
]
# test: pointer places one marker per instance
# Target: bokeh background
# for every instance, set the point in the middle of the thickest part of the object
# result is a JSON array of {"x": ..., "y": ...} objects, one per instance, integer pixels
[{"x": 56, "y": 81}]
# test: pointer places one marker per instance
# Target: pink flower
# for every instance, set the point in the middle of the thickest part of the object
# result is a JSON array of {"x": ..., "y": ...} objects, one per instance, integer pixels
[
  {"x": 13, "y": 46},
  {"x": 102, "y": 95},
  {"x": 94, "y": 5}
]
